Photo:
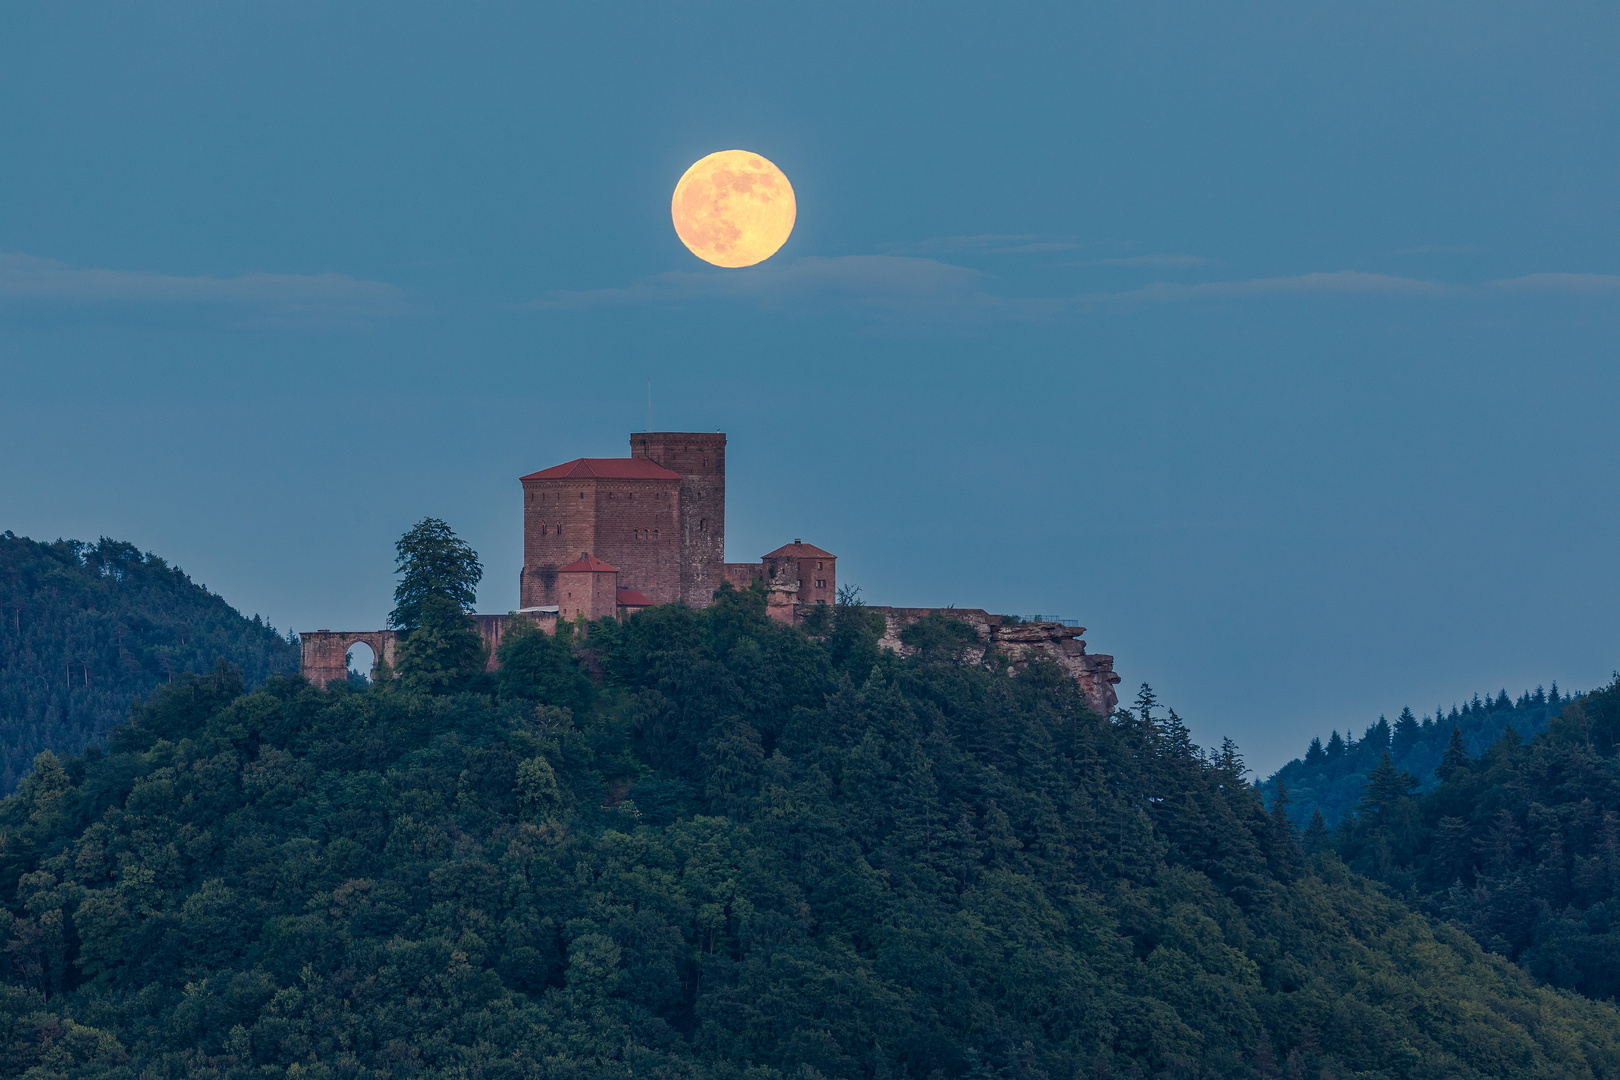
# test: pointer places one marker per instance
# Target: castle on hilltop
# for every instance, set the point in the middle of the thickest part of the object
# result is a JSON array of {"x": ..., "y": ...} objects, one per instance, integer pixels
[
  {"x": 607, "y": 537},
  {"x": 656, "y": 521}
]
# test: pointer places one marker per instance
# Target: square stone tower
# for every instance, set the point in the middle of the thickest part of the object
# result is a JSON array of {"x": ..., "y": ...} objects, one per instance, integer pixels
[{"x": 700, "y": 460}]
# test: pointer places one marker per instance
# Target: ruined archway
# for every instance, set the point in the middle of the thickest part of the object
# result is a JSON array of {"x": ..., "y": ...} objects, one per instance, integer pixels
[{"x": 325, "y": 652}]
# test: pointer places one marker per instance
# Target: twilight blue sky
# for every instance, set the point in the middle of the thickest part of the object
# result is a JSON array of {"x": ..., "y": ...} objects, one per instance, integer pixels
[{"x": 1278, "y": 343}]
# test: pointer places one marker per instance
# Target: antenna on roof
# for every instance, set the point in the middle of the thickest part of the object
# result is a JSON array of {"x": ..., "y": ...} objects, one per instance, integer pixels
[{"x": 649, "y": 406}]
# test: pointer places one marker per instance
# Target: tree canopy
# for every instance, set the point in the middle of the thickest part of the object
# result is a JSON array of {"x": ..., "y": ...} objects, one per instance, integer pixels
[
  {"x": 706, "y": 844},
  {"x": 438, "y": 571},
  {"x": 87, "y": 630},
  {"x": 1330, "y": 776}
]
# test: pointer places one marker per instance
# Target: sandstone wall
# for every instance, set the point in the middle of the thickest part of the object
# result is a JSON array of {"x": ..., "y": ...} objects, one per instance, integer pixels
[
  {"x": 700, "y": 458},
  {"x": 1021, "y": 643},
  {"x": 632, "y": 524}
]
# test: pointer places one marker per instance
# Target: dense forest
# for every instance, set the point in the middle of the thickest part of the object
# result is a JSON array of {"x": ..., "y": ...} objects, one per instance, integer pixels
[
  {"x": 1331, "y": 776},
  {"x": 86, "y": 630},
  {"x": 1520, "y": 844},
  {"x": 706, "y": 844}
]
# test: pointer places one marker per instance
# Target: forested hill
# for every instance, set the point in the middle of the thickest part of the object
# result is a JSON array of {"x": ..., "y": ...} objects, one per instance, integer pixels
[
  {"x": 1519, "y": 845},
  {"x": 86, "y": 630},
  {"x": 704, "y": 844},
  {"x": 1332, "y": 775}
]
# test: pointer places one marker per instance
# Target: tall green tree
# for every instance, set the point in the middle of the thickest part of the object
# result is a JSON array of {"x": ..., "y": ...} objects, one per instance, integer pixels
[
  {"x": 432, "y": 562},
  {"x": 439, "y": 574}
]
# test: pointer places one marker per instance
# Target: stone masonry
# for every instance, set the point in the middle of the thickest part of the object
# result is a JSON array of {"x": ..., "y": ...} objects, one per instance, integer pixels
[{"x": 1020, "y": 642}]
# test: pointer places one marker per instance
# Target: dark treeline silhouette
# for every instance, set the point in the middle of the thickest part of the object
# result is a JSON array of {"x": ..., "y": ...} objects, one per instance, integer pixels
[
  {"x": 1332, "y": 774},
  {"x": 706, "y": 844},
  {"x": 1519, "y": 845},
  {"x": 87, "y": 630}
]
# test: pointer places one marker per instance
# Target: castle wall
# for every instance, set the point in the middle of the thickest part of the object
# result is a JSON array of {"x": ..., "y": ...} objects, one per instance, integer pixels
[
  {"x": 324, "y": 654},
  {"x": 593, "y": 594},
  {"x": 700, "y": 458},
  {"x": 637, "y": 529},
  {"x": 615, "y": 520}
]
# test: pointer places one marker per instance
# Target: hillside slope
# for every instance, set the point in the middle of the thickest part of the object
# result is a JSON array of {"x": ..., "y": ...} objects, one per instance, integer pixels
[
  {"x": 86, "y": 630},
  {"x": 741, "y": 852},
  {"x": 1519, "y": 845}
]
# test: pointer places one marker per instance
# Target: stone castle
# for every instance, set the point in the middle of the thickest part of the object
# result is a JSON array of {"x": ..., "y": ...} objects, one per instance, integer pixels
[{"x": 606, "y": 537}]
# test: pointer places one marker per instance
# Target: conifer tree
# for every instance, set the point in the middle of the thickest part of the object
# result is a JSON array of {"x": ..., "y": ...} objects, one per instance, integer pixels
[
  {"x": 1316, "y": 832},
  {"x": 1456, "y": 759},
  {"x": 1284, "y": 837},
  {"x": 1406, "y": 733},
  {"x": 1377, "y": 736},
  {"x": 1386, "y": 785}
]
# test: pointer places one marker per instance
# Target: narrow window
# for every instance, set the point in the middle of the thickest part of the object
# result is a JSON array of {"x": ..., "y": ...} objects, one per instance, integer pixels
[
  {"x": 703, "y": 523},
  {"x": 655, "y": 534}
]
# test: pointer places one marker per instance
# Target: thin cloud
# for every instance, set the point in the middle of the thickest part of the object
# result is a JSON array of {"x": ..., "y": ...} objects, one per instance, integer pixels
[
  {"x": 935, "y": 291},
  {"x": 985, "y": 244},
  {"x": 31, "y": 282},
  {"x": 889, "y": 282},
  {"x": 1562, "y": 283},
  {"x": 1440, "y": 249},
  {"x": 1341, "y": 283},
  {"x": 1156, "y": 262}
]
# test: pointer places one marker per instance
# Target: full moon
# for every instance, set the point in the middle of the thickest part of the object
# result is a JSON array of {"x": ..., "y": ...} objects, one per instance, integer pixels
[{"x": 733, "y": 208}]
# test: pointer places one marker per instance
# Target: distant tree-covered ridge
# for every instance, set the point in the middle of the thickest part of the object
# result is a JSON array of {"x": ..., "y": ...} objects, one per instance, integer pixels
[
  {"x": 1332, "y": 776},
  {"x": 1518, "y": 845},
  {"x": 87, "y": 630},
  {"x": 704, "y": 844}
]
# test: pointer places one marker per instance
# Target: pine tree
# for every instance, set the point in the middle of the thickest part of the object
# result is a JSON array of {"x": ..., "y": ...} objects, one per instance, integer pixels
[
  {"x": 1145, "y": 700},
  {"x": 1405, "y": 734},
  {"x": 1315, "y": 755},
  {"x": 1386, "y": 786},
  {"x": 1316, "y": 832},
  {"x": 1284, "y": 837},
  {"x": 1335, "y": 745},
  {"x": 1456, "y": 759}
]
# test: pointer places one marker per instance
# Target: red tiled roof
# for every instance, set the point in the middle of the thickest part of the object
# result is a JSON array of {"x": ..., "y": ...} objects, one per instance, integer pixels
[
  {"x": 796, "y": 550},
  {"x": 588, "y": 564},
  {"x": 631, "y": 598},
  {"x": 605, "y": 468}
]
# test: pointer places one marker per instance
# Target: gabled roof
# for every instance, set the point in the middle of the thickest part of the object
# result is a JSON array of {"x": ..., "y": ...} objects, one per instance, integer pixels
[
  {"x": 797, "y": 550},
  {"x": 631, "y": 598},
  {"x": 588, "y": 564},
  {"x": 605, "y": 468}
]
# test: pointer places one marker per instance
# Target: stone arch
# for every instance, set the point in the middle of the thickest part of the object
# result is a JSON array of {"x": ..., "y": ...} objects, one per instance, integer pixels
[
  {"x": 324, "y": 653},
  {"x": 362, "y": 657}
]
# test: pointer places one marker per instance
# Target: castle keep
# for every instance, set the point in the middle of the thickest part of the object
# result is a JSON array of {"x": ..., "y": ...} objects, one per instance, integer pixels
[
  {"x": 606, "y": 537},
  {"x": 656, "y": 522}
]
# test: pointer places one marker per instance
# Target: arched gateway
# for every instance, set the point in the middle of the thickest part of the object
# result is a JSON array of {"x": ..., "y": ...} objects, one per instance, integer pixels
[{"x": 325, "y": 653}]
